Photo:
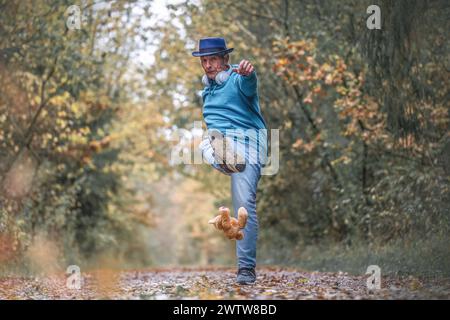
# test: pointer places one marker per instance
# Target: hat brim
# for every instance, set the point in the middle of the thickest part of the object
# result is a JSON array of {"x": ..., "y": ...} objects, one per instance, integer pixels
[{"x": 203, "y": 54}]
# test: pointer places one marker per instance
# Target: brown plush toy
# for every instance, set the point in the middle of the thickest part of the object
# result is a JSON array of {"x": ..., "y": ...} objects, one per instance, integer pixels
[{"x": 230, "y": 226}]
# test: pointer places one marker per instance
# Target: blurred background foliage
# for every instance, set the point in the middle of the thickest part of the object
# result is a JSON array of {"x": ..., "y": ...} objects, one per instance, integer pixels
[{"x": 89, "y": 119}]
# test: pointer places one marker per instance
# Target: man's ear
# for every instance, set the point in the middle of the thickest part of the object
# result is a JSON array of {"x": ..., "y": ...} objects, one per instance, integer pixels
[{"x": 226, "y": 58}]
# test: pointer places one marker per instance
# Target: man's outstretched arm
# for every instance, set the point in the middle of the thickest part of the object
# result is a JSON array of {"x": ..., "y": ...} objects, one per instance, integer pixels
[{"x": 247, "y": 82}]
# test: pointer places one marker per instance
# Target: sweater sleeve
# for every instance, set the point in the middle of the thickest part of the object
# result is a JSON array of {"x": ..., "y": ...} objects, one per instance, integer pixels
[{"x": 248, "y": 84}]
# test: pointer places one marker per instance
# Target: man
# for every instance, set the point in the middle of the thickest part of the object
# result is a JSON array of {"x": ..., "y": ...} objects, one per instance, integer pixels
[{"x": 237, "y": 140}]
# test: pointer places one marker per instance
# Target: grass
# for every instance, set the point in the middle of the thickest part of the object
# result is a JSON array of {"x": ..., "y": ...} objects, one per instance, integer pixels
[{"x": 423, "y": 257}]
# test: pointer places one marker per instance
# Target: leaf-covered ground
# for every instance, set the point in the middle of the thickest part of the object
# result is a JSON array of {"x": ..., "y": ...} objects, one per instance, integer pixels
[{"x": 218, "y": 283}]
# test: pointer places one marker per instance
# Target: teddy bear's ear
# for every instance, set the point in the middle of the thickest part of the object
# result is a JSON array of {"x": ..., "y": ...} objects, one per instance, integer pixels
[
  {"x": 239, "y": 235},
  {"x": 242, "y": 217}
]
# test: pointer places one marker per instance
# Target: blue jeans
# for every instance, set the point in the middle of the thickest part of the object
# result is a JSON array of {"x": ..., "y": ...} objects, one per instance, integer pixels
[{"x": 243, "y": 192}]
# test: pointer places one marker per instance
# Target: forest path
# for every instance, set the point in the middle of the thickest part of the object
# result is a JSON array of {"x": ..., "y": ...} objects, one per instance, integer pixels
[{"x": 219, "y": 283}]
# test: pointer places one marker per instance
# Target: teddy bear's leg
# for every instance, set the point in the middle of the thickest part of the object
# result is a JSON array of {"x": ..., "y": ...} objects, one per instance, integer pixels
[{"x": 242, "y": 217}]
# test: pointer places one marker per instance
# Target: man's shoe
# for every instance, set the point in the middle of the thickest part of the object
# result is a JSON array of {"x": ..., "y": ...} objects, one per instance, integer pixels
[
  {"x": 227, "y": 158},
  {"x": 246, "y": 276},
  {"x": 207, "y": 151}
]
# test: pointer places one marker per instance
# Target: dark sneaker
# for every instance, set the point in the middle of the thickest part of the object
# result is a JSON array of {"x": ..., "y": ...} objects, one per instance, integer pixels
[{"x": 246, "y": 276}]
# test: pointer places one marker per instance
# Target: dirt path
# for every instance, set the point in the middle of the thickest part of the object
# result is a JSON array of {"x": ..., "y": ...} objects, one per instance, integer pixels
[{"x": 218, "y": 283}]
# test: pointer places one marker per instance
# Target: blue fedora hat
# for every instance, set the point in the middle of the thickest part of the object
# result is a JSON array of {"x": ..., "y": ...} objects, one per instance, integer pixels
[{"x": 211, "y": 46}]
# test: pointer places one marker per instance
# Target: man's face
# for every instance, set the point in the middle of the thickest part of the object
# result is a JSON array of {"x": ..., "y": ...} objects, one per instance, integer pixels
[{"x": 213, "y": 65}]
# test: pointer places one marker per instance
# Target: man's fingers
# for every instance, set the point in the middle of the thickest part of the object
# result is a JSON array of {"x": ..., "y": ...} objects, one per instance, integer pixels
[
  {"x": 245, "y": 68},
  {"x": 241, "y": 64},
  {"x": 248, "y": 68}
]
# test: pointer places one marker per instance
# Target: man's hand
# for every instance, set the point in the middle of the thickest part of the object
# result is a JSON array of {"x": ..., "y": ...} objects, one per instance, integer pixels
[{"x": 245, "y": 68}]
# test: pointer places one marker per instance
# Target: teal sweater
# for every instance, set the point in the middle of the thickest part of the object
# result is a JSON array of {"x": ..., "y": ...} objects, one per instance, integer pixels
[{"x": 233, "y": 107}]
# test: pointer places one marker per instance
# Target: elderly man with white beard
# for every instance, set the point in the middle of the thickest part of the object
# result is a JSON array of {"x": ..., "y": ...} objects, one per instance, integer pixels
[{"x": 236, "y": 143}]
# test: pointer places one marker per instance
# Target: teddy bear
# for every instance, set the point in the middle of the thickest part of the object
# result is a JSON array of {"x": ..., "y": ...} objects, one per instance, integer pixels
[{"x": 230, "y": 225}]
